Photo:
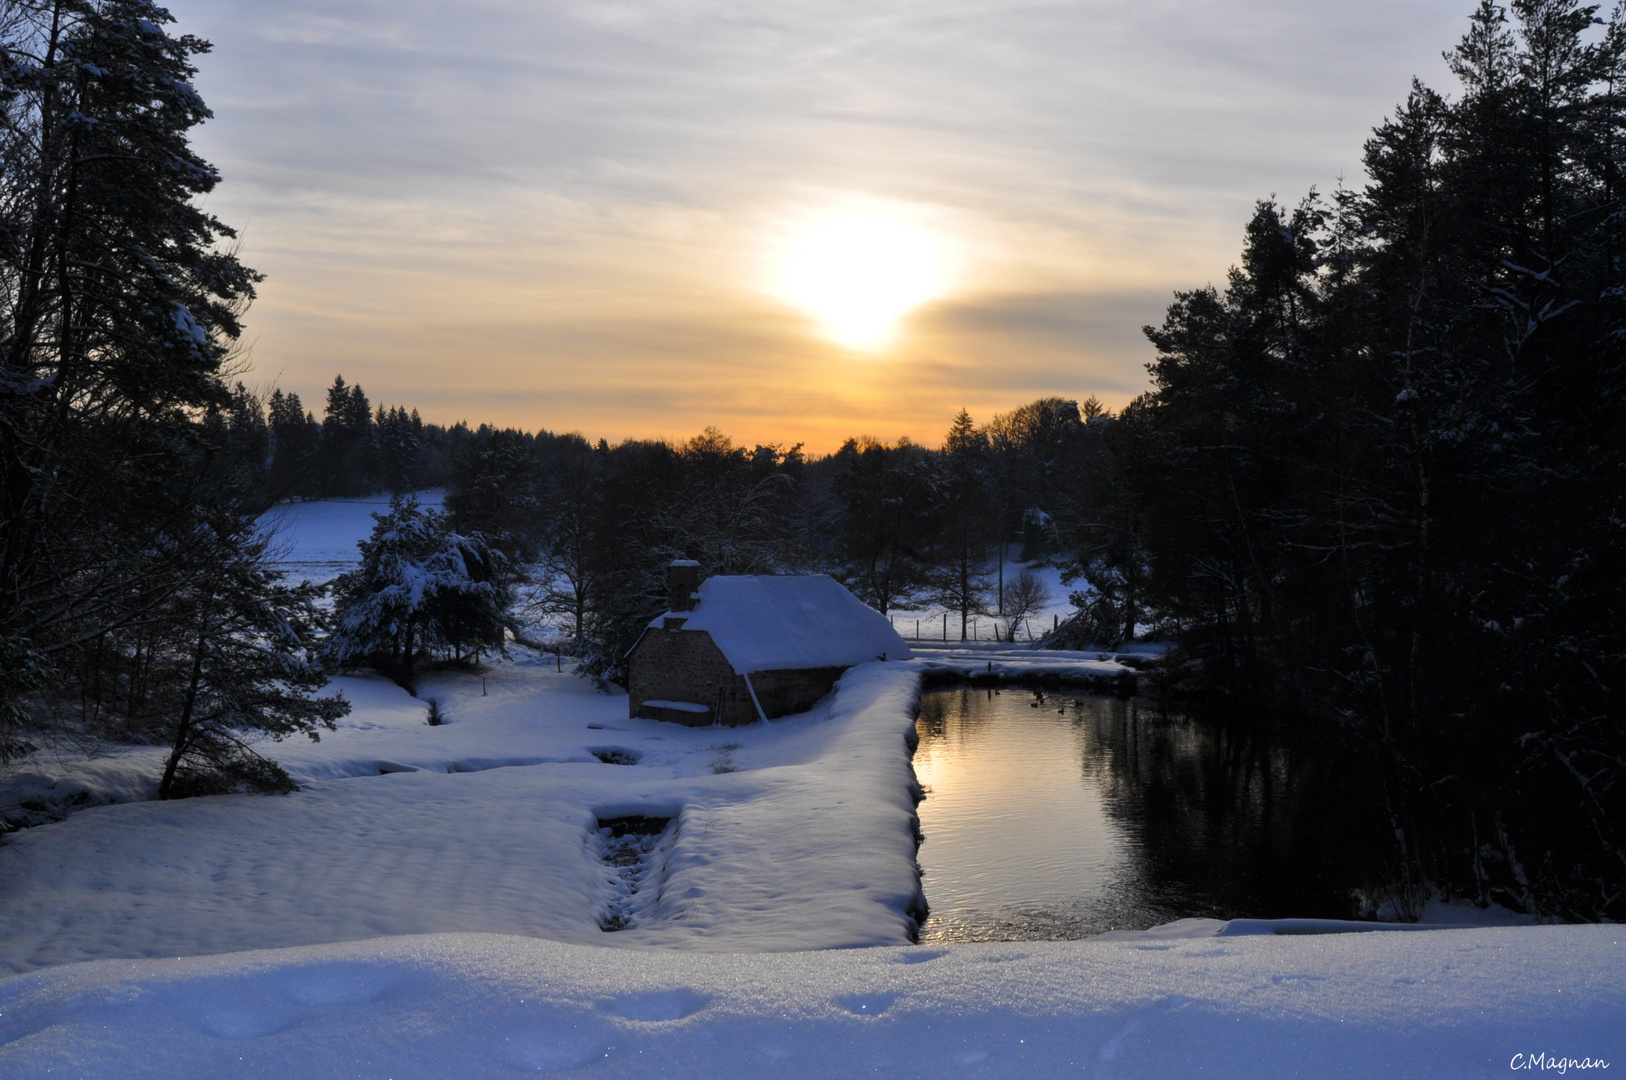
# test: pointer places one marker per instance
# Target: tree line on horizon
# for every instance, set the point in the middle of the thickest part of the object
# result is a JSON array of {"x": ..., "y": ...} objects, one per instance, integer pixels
[
  {"x": 585, "y": 529},
  {"x": 1375, "y": 493}
]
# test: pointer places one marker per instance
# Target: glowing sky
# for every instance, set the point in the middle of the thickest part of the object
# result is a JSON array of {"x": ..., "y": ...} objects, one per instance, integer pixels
[{"x": 797, "y": 220}]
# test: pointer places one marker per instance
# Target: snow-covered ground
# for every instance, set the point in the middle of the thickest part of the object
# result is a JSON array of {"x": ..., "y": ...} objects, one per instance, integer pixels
[
  {"x": 932, "y": 623},
  {"x": 1447, "y": 1004},
  {"x": 1021, "y": 660},
  {"x": 797, "y": 834},
  {"x": 317, "y": 540},
  {"x": 431, "y": 904}
]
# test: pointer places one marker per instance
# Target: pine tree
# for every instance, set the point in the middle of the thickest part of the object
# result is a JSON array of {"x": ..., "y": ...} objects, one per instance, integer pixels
[
  {"x": 961, "y": 581},
  {"x": 399, "y": 440},
  {"x": 242, "y": 668},
  {"x": 120, "y": 305},
  {"x": 890, "y": 500},
  {"x": 1382, "y": 473},
  {"x": 247, "y": 449},
  {"x": 295, "y": 438}
]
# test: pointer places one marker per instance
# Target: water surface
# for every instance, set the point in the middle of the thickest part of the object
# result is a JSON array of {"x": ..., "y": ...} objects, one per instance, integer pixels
[{"x": 1056, "y": 816}]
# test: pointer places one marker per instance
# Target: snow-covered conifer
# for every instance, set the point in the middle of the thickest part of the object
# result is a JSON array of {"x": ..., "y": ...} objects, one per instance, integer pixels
[{"x": 421, "y": 589}]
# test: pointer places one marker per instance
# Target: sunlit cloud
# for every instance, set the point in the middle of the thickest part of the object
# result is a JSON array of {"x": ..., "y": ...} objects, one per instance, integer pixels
[{"x": 643, "y": 218}]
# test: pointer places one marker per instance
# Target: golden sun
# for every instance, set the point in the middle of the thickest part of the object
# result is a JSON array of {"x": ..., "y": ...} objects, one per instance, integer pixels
[{"x": 859, "y": 273}]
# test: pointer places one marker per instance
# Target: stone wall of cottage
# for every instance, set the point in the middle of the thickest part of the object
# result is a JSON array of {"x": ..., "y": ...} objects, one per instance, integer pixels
[
  {"x": 687, "y": 665},
  {"x": 682, "y": 665},
  {"x": 793, "y": 691}
]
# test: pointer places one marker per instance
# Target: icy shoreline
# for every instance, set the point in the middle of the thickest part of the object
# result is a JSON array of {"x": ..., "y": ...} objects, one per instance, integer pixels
[{"x": 998, "y": 664}]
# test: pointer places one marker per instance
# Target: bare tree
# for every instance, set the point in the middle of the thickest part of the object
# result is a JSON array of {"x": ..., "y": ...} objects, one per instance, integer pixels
[{"x": 1024, "y": 597}]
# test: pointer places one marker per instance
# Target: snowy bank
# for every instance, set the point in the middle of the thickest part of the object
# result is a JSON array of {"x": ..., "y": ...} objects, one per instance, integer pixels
[
  {"x": 1457, "y": 1003},
  {"x": 1002, "y": 662},
  {"x": 796, "y": 834}
]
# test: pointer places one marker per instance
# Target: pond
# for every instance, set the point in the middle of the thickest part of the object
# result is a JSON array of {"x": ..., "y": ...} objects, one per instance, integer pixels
[{"x": 1051, "y": 816}]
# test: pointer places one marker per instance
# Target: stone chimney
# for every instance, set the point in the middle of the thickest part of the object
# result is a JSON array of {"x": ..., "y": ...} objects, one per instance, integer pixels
[{"x": 682, "y": 579}]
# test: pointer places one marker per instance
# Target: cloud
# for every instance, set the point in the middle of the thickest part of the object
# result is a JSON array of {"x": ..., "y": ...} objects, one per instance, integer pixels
[{"x": 534, "y": 196}]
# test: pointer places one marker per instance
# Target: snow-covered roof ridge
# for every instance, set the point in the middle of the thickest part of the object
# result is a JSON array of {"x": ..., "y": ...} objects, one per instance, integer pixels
[{"x": 790, "y": 621}]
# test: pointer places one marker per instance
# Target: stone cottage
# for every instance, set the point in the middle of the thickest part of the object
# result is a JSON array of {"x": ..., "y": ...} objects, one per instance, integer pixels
[{"x": 732, "y": 650}]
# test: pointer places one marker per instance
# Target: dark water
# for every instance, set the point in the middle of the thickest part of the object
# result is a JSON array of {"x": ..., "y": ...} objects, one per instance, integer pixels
[{"x": 1086, "y": 814}]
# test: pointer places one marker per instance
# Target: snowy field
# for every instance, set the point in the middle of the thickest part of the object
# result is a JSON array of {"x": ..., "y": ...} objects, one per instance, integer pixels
[
  {"x": 432, "y": 904},
  {"x": 317, "y": 540},
  {"x": 932, "y": 624},
  {"x": 1019, "y": 661}
]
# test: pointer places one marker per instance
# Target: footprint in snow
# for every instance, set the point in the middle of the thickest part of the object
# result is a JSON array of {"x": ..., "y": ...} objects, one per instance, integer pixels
[
  {"x": 867, "y": 1004},
  {"x": 549, "y": 1047},
  {"x": 339, "y": 984},
  {"x": 226, "y": 1019},
  {"x": 657, "y": 1005}
]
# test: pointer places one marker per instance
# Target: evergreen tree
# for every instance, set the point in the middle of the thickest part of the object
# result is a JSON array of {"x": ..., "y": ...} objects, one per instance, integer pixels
[
  {"x": 400, "y": 448},
  {"x": 294, "y": 437},
  {"x": 890, "y": 502},
  {"x": 348, "y": 462},
  {"x": 119, "y": 308},
  {"x": 493, "y": 489},
  {"x": 247, "y": 448},
  {"x": 1381, "y": 474},
  {"x": 422, "y": 589},
  {"x": 241, "y": 667},
  {"x": 1100, "y": 528},
  {"x": 961, "y": 582}
]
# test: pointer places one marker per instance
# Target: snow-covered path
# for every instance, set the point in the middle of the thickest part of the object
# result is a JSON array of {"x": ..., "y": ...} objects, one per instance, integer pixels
[
  {"x": 1459, "y": 1003},
  {"x": 792, "y": 835}
]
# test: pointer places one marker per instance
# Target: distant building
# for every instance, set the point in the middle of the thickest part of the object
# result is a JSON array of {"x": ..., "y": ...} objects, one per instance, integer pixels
[{"x": 732, "y": 650}]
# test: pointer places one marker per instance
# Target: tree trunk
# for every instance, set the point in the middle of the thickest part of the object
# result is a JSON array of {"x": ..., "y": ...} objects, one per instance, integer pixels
[{"x": 183, "y": 730}]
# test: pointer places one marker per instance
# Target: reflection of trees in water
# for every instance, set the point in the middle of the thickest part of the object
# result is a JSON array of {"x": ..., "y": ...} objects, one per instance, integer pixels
[
  {"x": 1228, "y": 821},
  {"x": 959, "y": 714},
  {"x": 1216, "y": 821}
]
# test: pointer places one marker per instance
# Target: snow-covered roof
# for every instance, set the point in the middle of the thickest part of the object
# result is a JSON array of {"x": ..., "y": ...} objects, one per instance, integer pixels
[{"x": 773, "y": 623}]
